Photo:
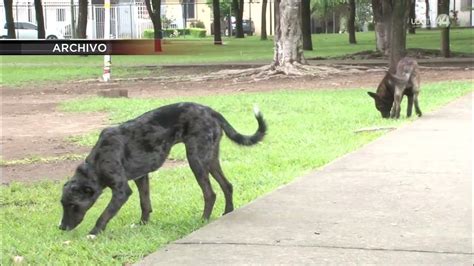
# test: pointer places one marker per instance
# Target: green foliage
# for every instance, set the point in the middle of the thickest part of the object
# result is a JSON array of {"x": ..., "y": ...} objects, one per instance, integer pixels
[
  {"x": 149, "y": 34},
  {"x": 38, "y": 159},
  {"x": 323, "y": 8},
  {"x": 371, "y": 26},
  {"x": 198, "y": 24},
  {"x": 312, "y": 129},
  {"x": 197, "y": 32},
  {"x": 364, "y": 13},
  {"x": 166, "y": 22},
  {"x": 224, "y": 6}
]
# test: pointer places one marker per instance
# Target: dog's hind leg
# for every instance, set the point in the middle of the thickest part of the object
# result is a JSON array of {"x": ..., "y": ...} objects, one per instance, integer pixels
[
  {"x": 143, "y": 185},
  {"x": 409, "y": 105},
  {"x": 199, "y": 165},
  {"x": 225, "y": 185}
]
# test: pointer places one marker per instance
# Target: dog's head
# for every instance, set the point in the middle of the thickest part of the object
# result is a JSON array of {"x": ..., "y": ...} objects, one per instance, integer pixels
[
  {"x": 382, "y": 106},
  {"x": 79, "y": 194}
]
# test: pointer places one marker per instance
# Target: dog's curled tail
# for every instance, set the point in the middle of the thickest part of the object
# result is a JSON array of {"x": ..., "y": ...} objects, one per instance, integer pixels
[{"x": 244, "y": 139}]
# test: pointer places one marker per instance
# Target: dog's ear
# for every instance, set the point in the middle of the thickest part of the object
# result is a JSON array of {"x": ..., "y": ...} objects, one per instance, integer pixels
[
  {"x": 372, "y": 94},
  {"x": 83, "y": 190}
]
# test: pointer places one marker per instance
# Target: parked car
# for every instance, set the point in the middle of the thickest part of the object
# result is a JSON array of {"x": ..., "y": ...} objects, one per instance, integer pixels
[
  {"x": 247, "y": 25},
  {"x": 27, "y": 30}
]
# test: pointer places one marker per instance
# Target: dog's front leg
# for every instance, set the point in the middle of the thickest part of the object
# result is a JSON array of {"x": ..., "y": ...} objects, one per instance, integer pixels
[
  {"x": 395, "y": 112},
  {"x": 120, "y": 193},
  {"x": 417, "y": 107}
]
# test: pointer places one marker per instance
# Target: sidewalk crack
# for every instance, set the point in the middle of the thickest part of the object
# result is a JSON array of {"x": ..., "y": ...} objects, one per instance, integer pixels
[{"x": 327, "y": 247}]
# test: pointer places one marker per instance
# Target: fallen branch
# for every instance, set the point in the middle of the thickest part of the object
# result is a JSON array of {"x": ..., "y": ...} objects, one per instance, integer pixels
[{"x": 372, "y": 129}]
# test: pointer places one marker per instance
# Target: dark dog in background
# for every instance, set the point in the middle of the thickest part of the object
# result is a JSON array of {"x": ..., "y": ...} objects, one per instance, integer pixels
[
  {"x": 137, "y": 147},
  {"x": 406, "y": 81}
]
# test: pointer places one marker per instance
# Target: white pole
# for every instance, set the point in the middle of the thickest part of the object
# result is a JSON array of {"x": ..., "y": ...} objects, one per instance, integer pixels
[{"x": 107, "y": 59}]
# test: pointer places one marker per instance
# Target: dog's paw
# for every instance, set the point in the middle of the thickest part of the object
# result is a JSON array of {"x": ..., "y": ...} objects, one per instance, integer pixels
[{"x": 91, "y": 237}]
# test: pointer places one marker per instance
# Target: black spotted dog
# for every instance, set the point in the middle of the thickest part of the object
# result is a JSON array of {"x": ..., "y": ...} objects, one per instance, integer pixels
[{"x": 137, "y": 147}]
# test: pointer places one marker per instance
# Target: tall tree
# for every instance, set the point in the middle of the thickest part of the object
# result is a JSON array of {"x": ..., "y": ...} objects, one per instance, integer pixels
[
  {"x": 154, "y": 11},
  {"x": 351, "y": 22},
  {"x": 443, "y": 23},
  {"x": 383, "y": 18},
  {"x": 411, "y": 22},
  {"x": 82, "y": 20},
  {"x": 9, "y": 18},
  {"x": 217, "y": 22},
  {"x": 427, "y": 14},
  {"x": 401, "y": 10},
  {"x": 288, "y": 37},
  {"x": 263, "y": 34},
  {"x": 238, "y": 8},
  {"x": 306, "y": 25},
  {"x": 40, "y": 19}
]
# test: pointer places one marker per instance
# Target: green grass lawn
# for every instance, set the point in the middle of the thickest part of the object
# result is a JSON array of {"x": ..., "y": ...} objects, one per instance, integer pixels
[
  {"x": 306, "y": 130},
  {"x": 21, "y": 70}
]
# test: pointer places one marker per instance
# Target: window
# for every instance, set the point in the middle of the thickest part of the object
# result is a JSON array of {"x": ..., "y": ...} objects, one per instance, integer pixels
[
  {"x": 60, "y": 14},
  {"x": 28, "y": 26},
  {"x": 466, "y": 5},
  {"x": 189, "y": 8},
  {"x": 143, "y": 12}
]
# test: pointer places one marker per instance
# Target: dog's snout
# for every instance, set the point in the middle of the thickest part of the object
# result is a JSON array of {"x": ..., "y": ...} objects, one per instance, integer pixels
[{"x": 64, "y": 227}]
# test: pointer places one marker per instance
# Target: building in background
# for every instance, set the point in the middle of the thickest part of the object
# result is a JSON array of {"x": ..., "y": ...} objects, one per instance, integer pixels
[{"x": 129, "y": 18}]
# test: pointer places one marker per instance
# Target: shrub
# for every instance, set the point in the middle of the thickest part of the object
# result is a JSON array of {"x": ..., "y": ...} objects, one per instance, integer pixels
[
  {"x": 371, "y": 26},
  {"x": 148, "y": 34},
  {"x": 197, "y": 32},
  {"x": 198, "y": 24}
]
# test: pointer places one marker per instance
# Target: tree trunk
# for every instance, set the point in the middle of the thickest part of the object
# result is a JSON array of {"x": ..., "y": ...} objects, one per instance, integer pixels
[
  {"x": 387, "y": 10},
  {"x": 73, "y": 20},
  {"x": 378, "y": 25},
  {"x": 401, "y": 10},
  {"x": 288, "y": 36},
  {"x": 263, "y": 35},
  {"x": 217, "y": 22},
  {"x": 82, "y": 20},
  {"x": 411, "y": 22},
  {"x": 155, "y": 14},
  {"x": 306, "y": 25},
  {"x": 9, "y": 19},
  {"x": 351, "y": 22},
  {"x": 238, "y": 7},
  {"x": 427, "y": 15},
  {"x": 382, "y": 10},
  {"x": 40, "y": 19},
  {"x": 443, "y": 9}
]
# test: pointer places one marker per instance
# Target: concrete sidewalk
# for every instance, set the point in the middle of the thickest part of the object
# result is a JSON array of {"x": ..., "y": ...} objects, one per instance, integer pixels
[{"x": 405, "y": 198}]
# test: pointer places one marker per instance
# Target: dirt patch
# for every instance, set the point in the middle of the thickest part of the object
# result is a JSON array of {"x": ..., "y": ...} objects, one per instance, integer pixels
[
  {"x": 57, "y": 171},
  {"x": 33, "y": 126},
  {"x": 413, "y": 52}
]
